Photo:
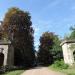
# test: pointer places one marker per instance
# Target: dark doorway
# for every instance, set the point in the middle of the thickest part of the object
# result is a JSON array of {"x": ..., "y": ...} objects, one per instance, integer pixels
[
  {"x": 74, "y": 55},
  {"x": 1, "y": 59}
]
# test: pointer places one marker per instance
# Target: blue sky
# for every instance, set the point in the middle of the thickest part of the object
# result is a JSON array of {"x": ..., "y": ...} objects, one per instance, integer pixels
[{"x": 47, "y": 15}]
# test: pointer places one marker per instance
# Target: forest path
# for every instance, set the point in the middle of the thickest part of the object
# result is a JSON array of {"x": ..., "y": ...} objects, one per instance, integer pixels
[{"x": 41, "y": 71}]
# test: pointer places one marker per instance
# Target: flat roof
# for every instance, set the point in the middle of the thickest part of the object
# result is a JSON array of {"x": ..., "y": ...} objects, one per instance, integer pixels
[
  {"x": 67, "y": 41},
  {"x": 4, "y": 42}
]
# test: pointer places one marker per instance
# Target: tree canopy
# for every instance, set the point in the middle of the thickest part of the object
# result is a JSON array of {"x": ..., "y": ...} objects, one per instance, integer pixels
[
  {"x": 49, "y": 49},
  {"x": 72, "y": 35},
  {"x": 18, "y": 28},
  {"x": 46, "y": 43}
]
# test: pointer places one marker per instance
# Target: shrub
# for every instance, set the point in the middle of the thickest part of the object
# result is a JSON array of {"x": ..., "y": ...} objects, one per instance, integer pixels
[
  {"x": 60, "y": 64},
  {"x": 2, "y": 69}
]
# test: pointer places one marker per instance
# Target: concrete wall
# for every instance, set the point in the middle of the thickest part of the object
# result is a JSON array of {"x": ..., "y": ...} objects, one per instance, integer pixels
[
  {"x": 5, "y": 52},
  {"x": 8, "y": 52},
  {"x": 10, "y": 60},
  {"x": 68, "y": 53}
]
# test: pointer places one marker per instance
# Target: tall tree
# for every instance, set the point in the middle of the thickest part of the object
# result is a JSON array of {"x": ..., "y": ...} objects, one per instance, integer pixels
[
  {"x": 46, "y": 43},
  {"x": 49, "y": 49},
  {"x": 18, "y": 28}
]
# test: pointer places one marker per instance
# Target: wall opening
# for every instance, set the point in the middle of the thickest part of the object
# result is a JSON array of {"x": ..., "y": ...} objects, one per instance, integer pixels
[
  {"x": 74, "y": 55},
  {"x": 1, "y": 59}
]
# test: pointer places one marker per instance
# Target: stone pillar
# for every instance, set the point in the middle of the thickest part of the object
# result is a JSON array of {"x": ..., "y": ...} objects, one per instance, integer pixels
[
  {"x": 10, "y": 56},
  {"x": 67, "y": 52},
  {"x": 8, "y": 52},
  {"x": 5, "y": 52}
]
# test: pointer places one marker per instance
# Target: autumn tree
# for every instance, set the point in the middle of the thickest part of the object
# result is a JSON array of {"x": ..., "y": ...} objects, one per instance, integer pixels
[
  {"x": 49, "y": 49},
  {"x": 18, "y": 28},
  {"x": 46, "y": 43}
]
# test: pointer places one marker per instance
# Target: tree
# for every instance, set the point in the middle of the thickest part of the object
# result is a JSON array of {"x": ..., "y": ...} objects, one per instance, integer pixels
[
  {"x": 46, "y": 43},
  {"x": 57, "y": 50},
  {"x": 72, "y": 35},
  {"x": 49, "y": 49},
  {"x": 18, "y": 28},
  {"x": 1, "y": 30}
]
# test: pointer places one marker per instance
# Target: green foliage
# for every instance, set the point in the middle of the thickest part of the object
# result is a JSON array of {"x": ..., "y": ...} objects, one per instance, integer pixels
[
  {"x": 68, "y": 71},
  {"x": 57, "y": 50},
  {"x": 71, "y": 36},
  {"x": 60, "y": 65},
  {"x": 49, "y": 49},
  {"x": 46, "y": 43},
  {"x": 46, "y": 40}
]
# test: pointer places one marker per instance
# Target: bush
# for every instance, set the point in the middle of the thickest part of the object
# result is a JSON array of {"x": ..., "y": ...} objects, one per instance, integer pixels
[
  {"x": 60, "y": 64},
  {"x": 2, "y": 69}
]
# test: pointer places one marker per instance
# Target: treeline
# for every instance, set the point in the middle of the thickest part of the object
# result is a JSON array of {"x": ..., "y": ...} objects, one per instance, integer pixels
[{"x": 17, "y": 27}]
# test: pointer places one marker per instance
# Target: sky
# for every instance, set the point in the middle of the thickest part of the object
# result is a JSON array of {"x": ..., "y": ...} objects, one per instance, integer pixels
[{"x": 47, "y": 15}]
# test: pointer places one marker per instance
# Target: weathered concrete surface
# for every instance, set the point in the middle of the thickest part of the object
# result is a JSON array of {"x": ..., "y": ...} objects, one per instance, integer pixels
[
  {"x": 41, "y": 71},
  {"x": 68, "y": 47}
]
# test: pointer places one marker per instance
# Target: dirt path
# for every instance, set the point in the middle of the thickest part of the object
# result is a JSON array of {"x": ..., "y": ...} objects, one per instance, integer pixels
[{"x": 41, "y": 71}]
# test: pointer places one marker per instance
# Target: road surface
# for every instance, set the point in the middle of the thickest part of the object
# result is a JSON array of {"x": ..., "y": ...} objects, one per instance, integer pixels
[{"x": 41, "y": 71}]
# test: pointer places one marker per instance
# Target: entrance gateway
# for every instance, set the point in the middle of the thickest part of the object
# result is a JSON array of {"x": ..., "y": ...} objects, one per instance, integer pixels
[
  {"x": 68, "y": 47},
  {"x": 6, "y": 53}
]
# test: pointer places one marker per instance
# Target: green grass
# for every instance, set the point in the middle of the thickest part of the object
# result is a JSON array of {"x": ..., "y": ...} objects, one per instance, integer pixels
[
  {"x": 69, "y": 71},
  {"x": 16, "y": 72},
  {"x": 62, "y": 67}
]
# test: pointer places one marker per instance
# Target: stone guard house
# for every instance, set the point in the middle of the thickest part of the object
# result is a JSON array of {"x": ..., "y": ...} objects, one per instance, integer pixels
[
  {"x": 68, "y": 47},
  {"x": 6, "y": 53}
]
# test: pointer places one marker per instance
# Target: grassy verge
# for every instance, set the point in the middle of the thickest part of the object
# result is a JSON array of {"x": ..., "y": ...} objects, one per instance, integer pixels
[
  {"x": 69, "y": 71},
  {"x": 62, "y": 67},
  {"x": 16, "y": 72}
]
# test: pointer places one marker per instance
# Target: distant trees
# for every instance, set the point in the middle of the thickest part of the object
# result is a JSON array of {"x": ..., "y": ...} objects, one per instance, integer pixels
[
  {"x": 18, "y": 28},
  {"x": 49, "y": 49},
  {"x": 1, "y": 33},
  {"x": 72, "y": 35}
]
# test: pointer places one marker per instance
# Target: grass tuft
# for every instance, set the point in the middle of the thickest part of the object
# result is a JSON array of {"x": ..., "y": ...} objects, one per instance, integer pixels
[{"x": 16, "y": 72}]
